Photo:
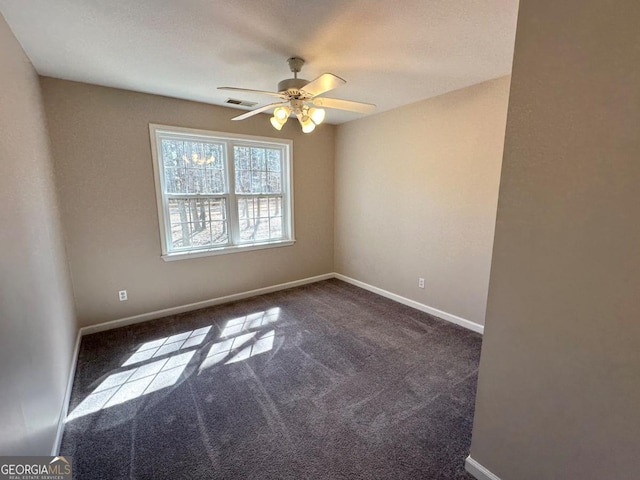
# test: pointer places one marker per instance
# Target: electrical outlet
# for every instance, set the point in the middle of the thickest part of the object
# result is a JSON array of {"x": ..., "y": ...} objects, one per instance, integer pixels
[
  {"x": 421, "y": 282},
  {"x": 122, "y": 295}
]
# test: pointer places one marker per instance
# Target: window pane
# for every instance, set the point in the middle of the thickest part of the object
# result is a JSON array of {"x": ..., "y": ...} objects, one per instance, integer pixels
[
  {"x": 276, "y": 227},
  {"x": 258, "y": 159},
  {"x": 275, "y": 206},
  {"x": 258, "y": 181},
  {"x": 258, "y": 170},
  {"x": 260, "y": 218},
  {"x": 273, "y": 182},
  {"x": 242, "y": 157},
  {"x": 193, "y": 167},
  {"x": 243, "y": 181},
  {"x": 198, "y": 223},
  {"x": 274, "y": 160}
]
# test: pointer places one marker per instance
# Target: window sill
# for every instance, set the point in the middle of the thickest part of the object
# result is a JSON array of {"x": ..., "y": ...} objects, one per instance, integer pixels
[{"x": 170, "y": 257}]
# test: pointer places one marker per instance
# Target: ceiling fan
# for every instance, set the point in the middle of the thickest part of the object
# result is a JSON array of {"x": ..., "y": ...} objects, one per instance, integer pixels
[{"x": 301, "y": 98}]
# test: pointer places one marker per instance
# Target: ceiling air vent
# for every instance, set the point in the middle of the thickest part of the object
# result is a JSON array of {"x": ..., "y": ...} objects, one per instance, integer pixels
[{"x": 242, "y": 103}]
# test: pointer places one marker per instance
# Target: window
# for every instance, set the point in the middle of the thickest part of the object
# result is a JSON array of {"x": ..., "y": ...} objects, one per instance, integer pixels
[{"x": 221, "y": 193}]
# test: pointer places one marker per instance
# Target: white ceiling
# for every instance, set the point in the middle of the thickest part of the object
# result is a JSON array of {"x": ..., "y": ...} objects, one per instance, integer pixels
[{"x": 391, "y": 53}]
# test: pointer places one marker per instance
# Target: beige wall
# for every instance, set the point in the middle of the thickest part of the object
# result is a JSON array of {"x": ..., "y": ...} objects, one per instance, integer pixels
[
  {"x": 100, "y": 139},
  {"x": 559, "y": 387},
  {"x": 37, "y": 324},
  {"x": 416, "y": 196}
]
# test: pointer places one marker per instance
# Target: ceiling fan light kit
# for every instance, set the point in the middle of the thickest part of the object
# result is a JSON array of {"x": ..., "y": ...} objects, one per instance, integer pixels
[{"x": 301, "y": 98}]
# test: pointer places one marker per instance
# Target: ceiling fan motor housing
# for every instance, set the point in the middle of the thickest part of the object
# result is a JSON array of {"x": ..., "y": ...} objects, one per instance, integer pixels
[{"x": 292, "y": 84}]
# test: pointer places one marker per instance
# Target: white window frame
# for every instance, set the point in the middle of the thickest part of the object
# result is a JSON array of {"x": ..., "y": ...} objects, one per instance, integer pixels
[{"x": 158, "y": 132}]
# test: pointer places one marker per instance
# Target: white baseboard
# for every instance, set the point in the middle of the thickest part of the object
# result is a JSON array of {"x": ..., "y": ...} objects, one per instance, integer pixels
[
  {"x": 123, "y": 322},
  {"x": 468, "y": 324},
  {"x": 479, "y": 471},
  {"x": 67, "y": 397}
]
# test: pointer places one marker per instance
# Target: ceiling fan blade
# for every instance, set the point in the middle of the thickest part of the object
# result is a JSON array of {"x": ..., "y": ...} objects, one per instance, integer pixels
[
  {"x": 322, "y": 84},
  {"x": 247, "y": 90},
  {"x": 258, "y": 110},
  {"x": 349, "y": 105}
]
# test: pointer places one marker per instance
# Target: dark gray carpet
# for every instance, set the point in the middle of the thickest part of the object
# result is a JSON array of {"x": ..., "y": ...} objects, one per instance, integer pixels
[{"x": 325, "y": 381}]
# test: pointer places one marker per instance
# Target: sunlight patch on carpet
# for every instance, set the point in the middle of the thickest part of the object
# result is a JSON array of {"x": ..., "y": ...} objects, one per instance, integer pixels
[
  {"x": 123, "y": 386},
  {"x": 167, "y": 345}
]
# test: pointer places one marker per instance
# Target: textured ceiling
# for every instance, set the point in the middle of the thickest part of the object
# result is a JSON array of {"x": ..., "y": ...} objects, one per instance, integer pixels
[{"x": 391, "y": 53}]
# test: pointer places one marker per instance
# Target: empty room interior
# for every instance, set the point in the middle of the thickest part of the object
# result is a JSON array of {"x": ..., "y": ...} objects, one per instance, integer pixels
[{"x": 288, "y": 239}]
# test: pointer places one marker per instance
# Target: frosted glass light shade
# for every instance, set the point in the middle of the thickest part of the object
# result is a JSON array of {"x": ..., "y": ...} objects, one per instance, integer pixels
[
  {"x": 276, "y": 123},
  {"x": 307, "y": 125},
  {"x": 309, "y": 128},
  {"x": 317, "y": 115},
  {"x": 282, "y": 113}
]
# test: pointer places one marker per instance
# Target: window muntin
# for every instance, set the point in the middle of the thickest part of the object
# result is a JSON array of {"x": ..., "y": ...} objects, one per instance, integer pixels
[{"x": 219, "y": 193}]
